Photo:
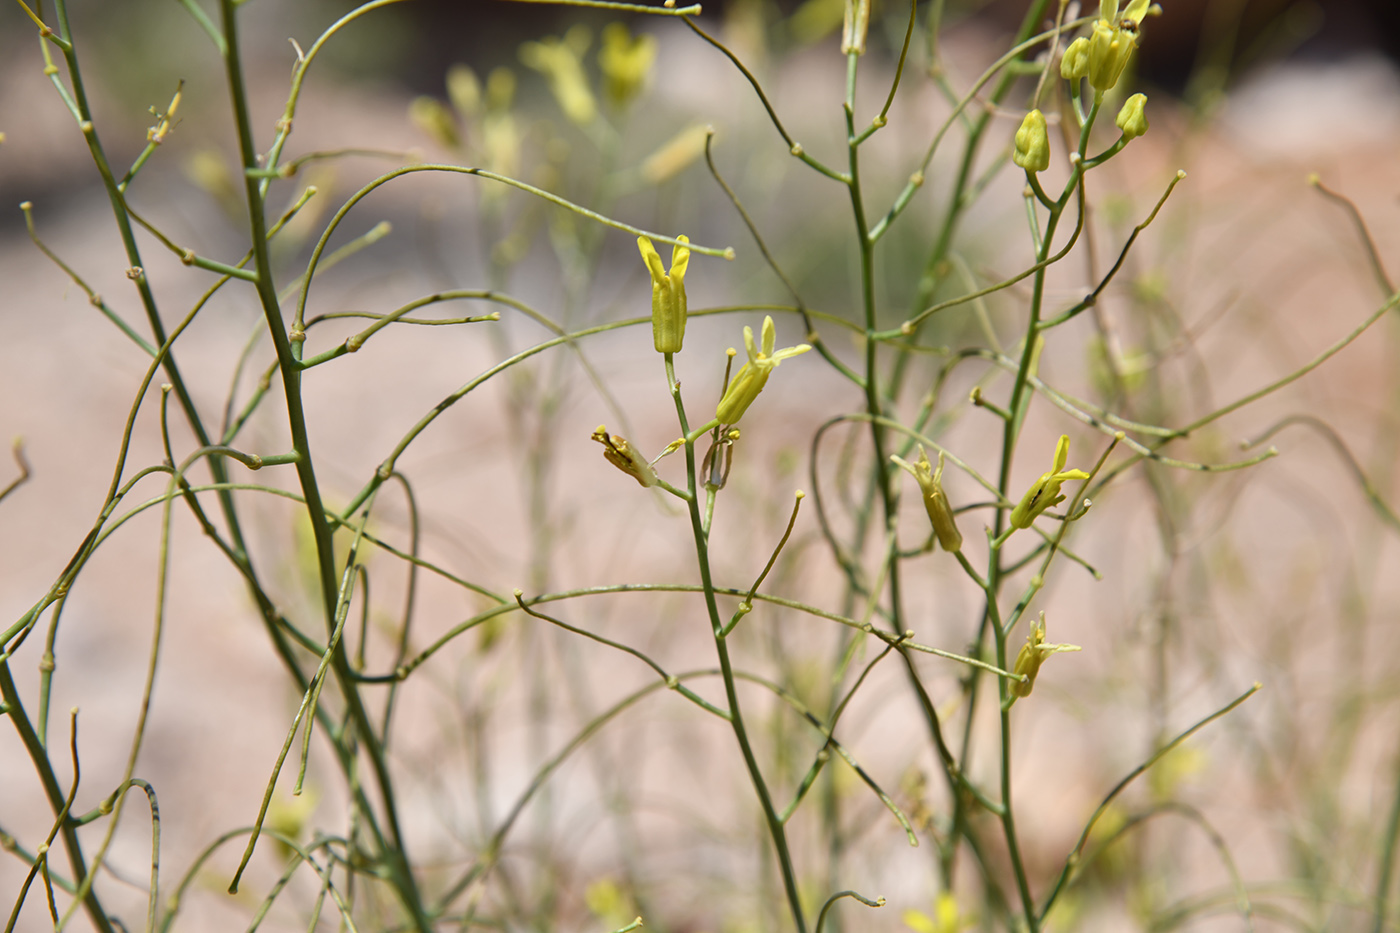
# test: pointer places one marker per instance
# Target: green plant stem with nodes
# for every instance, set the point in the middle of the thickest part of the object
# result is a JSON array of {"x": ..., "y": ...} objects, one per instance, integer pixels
[
  {"x": 397, "y": 864},
  {"x": 1018, "y": 407},
  {"x": 78, "y": 106},
  {"x": 1024, "y": 41},
  {"x": 83, "y": 113},
  {"x": 700, "y": 534}
]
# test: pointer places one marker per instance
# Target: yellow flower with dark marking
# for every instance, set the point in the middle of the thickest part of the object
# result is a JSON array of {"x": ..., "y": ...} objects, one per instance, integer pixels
[
  {"x": 1112, "y": 40},
  {"x": 1045, "y": 492}
]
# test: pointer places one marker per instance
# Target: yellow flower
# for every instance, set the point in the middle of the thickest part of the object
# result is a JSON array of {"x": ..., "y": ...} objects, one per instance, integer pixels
[
  {"x": 1032, "y": 143},
  {"x": 430, "y": 116},
  {"x": 1045, "y": 492},
  {"x": 1033, "y": 653},
  {"x": 624, "y": 456},
  {"x": 935, "y": 499},
  {"x": 1132, "y": 119},
  {"x": 625, "y": 62},
  {"x": 464, "y": 90},
  {"x": 945, "y": 919},
  {"x": 675, "y": 155},
  {"x": 753, "y": 375},
  {"x": 561, "y": 62},
  {"x": 290, "y": 816},
  {"x": 500, "y": 137},
  {"x": 1112, "y": 41},
  {"x": 667, "y": 295},
  {"x": 609, "y": 903}
]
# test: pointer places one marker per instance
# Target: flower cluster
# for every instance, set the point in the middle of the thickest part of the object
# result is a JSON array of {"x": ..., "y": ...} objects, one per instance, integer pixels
[{"x": 1103, "y": 54}]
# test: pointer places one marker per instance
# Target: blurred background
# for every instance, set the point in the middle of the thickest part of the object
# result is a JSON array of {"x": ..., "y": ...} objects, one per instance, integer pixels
[
  {"x": 1283, "y": 574},
  {"x": 1200, "y": 48}
]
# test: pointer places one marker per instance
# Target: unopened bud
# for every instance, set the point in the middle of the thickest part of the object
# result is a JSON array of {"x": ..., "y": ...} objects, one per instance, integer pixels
[
  {"x": 1032, "y": 143},
  {"x": 1075, "y": 65},
  {"x": 1132, "y": 119}
]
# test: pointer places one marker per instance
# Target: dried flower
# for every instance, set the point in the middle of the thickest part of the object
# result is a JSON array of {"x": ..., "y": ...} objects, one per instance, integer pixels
[
  {"x": 855, "y": 24},
  {"x": 940, "y": 513},
  {"x": 625, "y": 457}
]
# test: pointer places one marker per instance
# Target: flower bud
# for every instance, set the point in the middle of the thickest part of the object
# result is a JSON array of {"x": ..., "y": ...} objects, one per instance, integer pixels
[
  {"x": 1075, "y": 64},
  {"x": 430, "y": 116},
  {"x": 1132, "y": 119},
  {"x": 464, "y": 90},
  {"x": 1032, "y": 143},
  {"x": 675, "y": 155},
  {"x": 500, "y": 89}
]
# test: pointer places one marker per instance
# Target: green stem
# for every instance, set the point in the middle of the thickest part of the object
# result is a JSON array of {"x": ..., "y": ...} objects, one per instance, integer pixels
[
  {"x": 39, "y": 755},
  {"x": 1383, "y": 875},
  {"x": 397, "y": 862},
  {"x": 736, "y": 718}
]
